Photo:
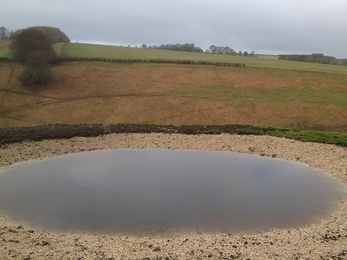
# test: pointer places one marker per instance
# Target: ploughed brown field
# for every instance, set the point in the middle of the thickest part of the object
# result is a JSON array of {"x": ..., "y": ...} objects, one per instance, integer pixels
[{"x": 174, "y": 94}]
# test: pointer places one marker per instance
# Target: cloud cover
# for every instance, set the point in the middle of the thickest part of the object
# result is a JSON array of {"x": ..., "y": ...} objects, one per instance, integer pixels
[{"x": 264, "y": 26}]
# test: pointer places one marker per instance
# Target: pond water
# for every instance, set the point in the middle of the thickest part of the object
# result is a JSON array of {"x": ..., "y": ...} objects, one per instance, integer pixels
[{"x": 154, "y": 191}]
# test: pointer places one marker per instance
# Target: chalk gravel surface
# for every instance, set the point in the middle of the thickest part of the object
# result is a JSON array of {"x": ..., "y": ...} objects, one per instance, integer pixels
[{"x": 324, "y": 239}]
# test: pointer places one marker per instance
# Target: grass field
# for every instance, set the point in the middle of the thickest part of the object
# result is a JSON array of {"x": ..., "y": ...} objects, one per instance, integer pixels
[
  {"x": 4, "y": 50},
  {"x": 266, "y": 93},
  {"x": 117, "y": 52},
  {"x": 82, "y": 50},
  {"x": 149, "y": 93}
]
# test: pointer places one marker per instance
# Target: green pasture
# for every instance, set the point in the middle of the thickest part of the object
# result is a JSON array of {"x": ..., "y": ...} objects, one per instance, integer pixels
[
  {"x": 339, "y": 138},
  {"x": 83, "y": 50},
  {"x": 59, "y": 47},
  {"x": 4, "y": 50},
  {"x": 117, "y": 52},
  {"x": 244, "y": 96}
]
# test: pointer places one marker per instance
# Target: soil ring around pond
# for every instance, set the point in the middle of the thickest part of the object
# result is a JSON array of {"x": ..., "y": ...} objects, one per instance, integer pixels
[{"x": 325, "y": 239}]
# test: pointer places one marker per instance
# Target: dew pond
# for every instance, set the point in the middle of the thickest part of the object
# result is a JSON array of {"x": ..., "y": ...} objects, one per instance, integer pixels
[{"x": 157, "y": 191}]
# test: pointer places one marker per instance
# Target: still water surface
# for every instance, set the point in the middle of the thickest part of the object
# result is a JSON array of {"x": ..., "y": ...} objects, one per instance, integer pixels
[{"x": 142, "y": 191}]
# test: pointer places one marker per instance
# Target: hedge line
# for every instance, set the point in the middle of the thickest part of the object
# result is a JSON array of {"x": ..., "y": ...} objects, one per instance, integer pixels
[
  {"x": 152, "y": 61},
  {"x": 67, "y": 59}
]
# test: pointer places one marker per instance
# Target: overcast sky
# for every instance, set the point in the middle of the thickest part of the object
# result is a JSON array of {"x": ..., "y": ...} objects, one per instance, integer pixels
[{"x": 263, "y": 26}]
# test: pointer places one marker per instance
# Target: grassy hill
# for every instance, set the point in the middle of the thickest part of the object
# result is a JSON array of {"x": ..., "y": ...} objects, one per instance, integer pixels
[
  {"x": 117, "y": 52},
  {"x": 266, "y": 93},
  {"x": 90, "y": 51},
  {"x": 150, "y": 93}
]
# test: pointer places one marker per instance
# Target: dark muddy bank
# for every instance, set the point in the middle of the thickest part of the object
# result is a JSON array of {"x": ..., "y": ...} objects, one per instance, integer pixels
[{"x": 38, "y": 133}]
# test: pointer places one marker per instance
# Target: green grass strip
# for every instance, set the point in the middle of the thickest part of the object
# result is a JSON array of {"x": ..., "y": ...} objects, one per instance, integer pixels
[
  {"x": 255, "y": 95},
  {"x": 337, "y": 138}
]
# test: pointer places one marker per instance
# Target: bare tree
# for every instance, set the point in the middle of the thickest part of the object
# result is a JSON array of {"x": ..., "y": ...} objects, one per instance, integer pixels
[{"x": 4, "y": 33}]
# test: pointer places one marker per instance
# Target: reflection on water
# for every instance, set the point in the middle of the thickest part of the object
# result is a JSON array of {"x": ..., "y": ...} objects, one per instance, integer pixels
[{"x": 159, "y": 190}]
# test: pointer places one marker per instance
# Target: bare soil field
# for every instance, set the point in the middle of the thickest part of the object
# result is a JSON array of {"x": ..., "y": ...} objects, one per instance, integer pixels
[{"x": 174, "y": 94}]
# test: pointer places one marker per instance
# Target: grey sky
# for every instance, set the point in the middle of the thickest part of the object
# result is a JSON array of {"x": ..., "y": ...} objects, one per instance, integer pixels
[{"x": 264, "y": 26}]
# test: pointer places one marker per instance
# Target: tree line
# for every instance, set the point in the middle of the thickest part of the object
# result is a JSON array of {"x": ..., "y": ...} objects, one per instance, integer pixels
[
  {"x": 187, "y": 62},
  {"x": 54, "y": 34},
  {"x": 226, "y": 50},
  {"x": 314, "y": 58},
  {"x": 190, "y": 47},
  {"x": 6, "y": 34}
]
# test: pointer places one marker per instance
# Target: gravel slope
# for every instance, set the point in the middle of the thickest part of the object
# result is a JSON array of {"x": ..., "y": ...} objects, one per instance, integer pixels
[{"x": 325, "y": 239}]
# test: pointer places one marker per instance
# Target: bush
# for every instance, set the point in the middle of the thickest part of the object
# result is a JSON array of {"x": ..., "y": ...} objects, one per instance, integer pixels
[{"x": 37, "y": 69}]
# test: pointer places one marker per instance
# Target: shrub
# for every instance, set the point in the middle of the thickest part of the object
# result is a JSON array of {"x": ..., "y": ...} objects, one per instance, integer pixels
[{"x": 36, "y": 70}]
